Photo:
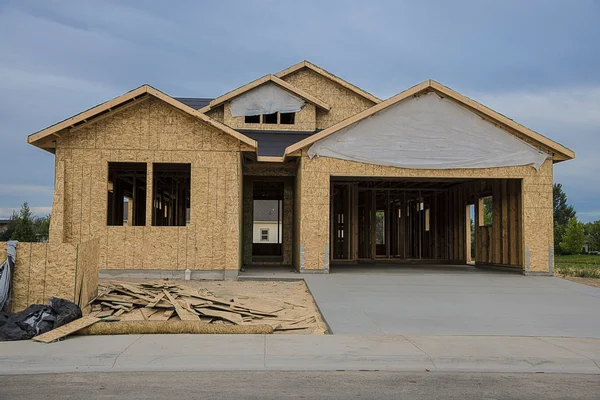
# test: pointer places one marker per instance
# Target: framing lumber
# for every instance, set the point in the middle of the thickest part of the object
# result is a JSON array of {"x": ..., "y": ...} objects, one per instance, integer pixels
[{"x": 505, "y": 222}]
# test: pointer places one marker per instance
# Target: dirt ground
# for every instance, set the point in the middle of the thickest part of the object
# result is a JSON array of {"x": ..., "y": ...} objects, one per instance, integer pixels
[
  {"x": 293, "y": 298},
  {"x": 594, "y": 282}
]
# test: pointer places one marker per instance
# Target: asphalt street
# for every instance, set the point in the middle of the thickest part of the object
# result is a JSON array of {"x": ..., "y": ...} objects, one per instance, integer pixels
[{"x": 299, "y": 385}]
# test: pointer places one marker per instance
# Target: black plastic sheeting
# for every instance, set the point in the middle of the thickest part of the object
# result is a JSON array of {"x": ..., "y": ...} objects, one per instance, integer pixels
[{"x": 37, "y": 319}]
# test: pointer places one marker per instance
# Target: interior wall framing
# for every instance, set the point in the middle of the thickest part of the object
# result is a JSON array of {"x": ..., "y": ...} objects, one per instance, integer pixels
[{"x": 428, "y": 220}]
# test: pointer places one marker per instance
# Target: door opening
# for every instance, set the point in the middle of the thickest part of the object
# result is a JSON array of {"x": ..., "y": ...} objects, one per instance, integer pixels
[{"x": 267, "y": 221}]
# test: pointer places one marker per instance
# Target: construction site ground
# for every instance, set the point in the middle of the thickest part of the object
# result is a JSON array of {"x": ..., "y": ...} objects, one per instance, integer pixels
[{"x": 296, "y": 311}]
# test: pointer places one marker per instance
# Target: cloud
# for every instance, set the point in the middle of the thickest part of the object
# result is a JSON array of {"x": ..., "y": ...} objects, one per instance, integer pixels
[
  {"x": 20, "y": 79},
  {"x": 569, "y": 115},
  {"x": 25, "y": 190},
  {"x": 574, "y": 107}
]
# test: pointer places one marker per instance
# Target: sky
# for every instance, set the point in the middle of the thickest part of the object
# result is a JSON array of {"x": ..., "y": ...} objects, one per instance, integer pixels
[{"x": 535, "y": 61}]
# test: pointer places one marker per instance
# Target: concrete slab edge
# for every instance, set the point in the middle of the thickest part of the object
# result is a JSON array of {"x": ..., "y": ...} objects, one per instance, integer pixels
[
  {"x": 219, "y": 275},
  {"x": 328, "y": 331}
]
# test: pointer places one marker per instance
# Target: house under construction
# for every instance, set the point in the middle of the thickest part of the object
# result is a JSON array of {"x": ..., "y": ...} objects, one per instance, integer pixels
[{"x": 166, "y": 184}]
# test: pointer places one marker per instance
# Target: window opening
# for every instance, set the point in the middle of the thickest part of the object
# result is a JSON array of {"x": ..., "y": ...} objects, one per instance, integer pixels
[
  {"x": 126, "y": 192},
  {"x": 171, "y": 194}
]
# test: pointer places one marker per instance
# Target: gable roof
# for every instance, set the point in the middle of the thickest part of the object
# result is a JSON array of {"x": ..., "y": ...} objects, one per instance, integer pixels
[
  {"x": 261, "y": 81},
  {"x": 330, "y": 76},
  {"x": 126, "y": 100},
  {"x": 561, "y": 153}
]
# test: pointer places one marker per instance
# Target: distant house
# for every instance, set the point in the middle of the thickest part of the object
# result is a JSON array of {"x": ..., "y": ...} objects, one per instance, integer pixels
[
  {"x": 267, "y": 229},
  {"x": 4, "y": 224},
  {"x": 168, "y": 183}
]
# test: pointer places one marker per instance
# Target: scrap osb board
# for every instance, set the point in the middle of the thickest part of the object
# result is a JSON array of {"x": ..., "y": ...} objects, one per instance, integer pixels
[
  {"x": 67, "y": 329},
  {"x": 305, "y": 120},
  {"x": 150, "y": 131},
  {"x": 285, "y": 306},
  {"x": 87, "y": 271},
  {"x": 344, "y": 102},
  {"x": 313, "y": 186},
  {"x": 44, "y": 270}
]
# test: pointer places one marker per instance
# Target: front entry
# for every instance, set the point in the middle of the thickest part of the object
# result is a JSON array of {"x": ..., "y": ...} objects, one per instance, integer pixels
[{"x": 267, "y": 221}]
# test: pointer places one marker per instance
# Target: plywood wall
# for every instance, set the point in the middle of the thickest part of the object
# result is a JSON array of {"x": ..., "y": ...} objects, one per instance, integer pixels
[
  {"x": 344, "y": 102},
  {"x": 149, "y": 132},
  {"x": 535, "y": 208},
  {"x": 44, "y": 270},
  {"x": 86, "y": 273}
]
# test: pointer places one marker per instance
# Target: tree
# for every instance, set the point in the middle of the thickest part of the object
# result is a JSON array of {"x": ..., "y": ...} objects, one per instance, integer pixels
[
  {"x": 574, "y": 238},
  {"x": 593, "y": 233},
  {"x": 24, "y": 226},
  {"x": 42, "y": 228},
  {"x": 563, "y": 213},
  {"x": 488, "y": 206},
  {"x": 24, "y": 229},
  {"x": 10, "y": 228}
]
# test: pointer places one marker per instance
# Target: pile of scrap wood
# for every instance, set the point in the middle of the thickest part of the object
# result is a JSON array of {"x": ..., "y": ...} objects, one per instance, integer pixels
[
  {"x": 165, "y": 301},
  {"x": 164, "y": 307}
]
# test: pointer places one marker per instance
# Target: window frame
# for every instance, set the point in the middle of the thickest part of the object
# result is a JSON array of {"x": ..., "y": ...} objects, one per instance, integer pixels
[
  {"x": 262, "y": 232},
  {"x": 292, "y": 118}
]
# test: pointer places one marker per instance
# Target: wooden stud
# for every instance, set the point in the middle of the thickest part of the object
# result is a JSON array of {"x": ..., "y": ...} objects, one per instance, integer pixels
[{"x": 505, "y": 238}]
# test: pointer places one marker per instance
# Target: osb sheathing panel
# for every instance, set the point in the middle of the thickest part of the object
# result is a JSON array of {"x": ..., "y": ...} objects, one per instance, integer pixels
[
  {"x": 87, "y": 271},
  {"x": 20, "y": 278},
  {"x": 37, "y": 273},
  {"x": 57, "y": 220},
  {"x": 60, "y": 270},
  {"x": 344, "y": 103},
  {"x": 313, "y": 190},
  {"x": 305, "y": 120},
  {"x": 42, "y": 270},
  {"x": 217, "y": 113},
  {"x": 297, "y": 220},
  {"x": 150, "y": 132}
]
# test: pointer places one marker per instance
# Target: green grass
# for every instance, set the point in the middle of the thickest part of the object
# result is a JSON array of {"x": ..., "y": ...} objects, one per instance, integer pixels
[
  {"x": 582, "y": 266},
  {"x": 579, "y": 258}
]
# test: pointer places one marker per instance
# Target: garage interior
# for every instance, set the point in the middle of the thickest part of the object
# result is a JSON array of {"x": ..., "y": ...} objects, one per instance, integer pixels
[{"x": 460, "y": 221}]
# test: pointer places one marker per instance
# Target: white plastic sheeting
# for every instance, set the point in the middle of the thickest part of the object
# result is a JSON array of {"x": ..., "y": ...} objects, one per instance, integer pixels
[
  {"x": 428, "y": 132},
  {"x": 266, "y": 99}
]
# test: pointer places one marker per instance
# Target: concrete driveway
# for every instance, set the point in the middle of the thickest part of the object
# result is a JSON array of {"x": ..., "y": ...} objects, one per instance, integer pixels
[{"x": 453, "y": 300}]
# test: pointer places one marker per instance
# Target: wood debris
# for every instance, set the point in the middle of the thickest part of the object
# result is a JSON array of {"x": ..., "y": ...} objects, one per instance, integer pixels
[
  {"x": 163, "y": 301},
  {"x": 153, "y": 306},
  {"x": 67, "y": 329}
]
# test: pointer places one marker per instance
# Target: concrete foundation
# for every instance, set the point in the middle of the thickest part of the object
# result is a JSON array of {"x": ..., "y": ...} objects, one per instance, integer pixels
[{"x": 196, "y": 275}]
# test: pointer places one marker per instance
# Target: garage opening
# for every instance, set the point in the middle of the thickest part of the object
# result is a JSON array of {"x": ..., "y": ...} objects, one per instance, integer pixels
[{"x": 446, "y": 220}]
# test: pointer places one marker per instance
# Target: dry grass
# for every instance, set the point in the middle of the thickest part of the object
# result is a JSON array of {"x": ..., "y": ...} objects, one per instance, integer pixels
[{"x": 593, "y": 282}]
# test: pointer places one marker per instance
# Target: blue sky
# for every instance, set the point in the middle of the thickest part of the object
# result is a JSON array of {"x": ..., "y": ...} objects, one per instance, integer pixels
[{"x": 537, "y": 62}]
